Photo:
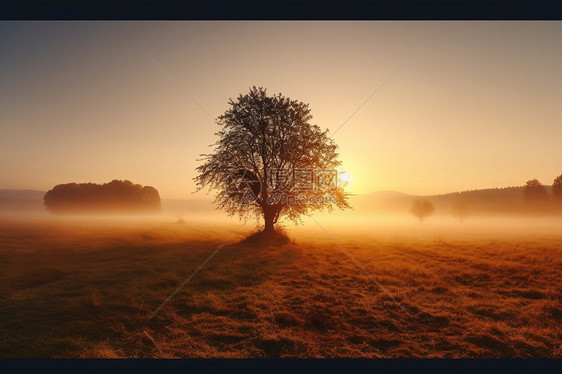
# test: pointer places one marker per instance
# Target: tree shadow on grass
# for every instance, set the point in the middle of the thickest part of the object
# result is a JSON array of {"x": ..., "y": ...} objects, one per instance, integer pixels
[{"x": 259, "y": 239}]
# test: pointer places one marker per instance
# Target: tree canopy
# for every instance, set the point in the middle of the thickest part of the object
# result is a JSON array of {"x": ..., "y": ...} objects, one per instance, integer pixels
[
  {"x": 557, "y": 188},
  {"x": 534, "y": 191}
]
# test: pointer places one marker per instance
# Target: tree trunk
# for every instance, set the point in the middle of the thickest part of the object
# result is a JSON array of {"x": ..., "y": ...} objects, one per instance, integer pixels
[{"x": 268, "y": 216}]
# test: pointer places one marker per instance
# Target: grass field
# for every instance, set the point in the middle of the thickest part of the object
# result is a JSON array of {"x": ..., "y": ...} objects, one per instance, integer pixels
[{"x": 86, "y": 288}]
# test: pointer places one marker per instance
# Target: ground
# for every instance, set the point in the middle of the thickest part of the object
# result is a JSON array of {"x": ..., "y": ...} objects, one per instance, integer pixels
[{"x": 73, "y": 288}]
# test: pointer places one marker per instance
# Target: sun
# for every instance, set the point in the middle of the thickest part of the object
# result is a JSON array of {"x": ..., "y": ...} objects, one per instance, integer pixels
[{"x": 344, "y": 178}]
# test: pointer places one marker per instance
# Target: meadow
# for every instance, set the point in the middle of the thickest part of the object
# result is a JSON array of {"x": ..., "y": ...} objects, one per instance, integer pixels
[{"x": 86, "y": 287}]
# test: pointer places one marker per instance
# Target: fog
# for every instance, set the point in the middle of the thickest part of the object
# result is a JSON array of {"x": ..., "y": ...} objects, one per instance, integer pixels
[{"x": 177, "y": 223}]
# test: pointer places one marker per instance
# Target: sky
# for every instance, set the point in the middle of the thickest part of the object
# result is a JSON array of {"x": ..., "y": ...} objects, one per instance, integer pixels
[{"x": 426, "y": 107}]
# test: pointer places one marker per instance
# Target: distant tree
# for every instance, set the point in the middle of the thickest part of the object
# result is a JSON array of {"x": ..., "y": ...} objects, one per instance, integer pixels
[
  {"x": 557, "y": 188},
  {"x": 422, "y": 209},
  {"x": 535, "y": 192},
  {"x": 116, "y": 195},
  {"x": 263, "y": 141},
  {"x": 460, "y": 209}
]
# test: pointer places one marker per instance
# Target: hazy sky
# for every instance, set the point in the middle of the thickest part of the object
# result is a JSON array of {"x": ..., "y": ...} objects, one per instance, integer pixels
[{"x": 478, "y": 104}]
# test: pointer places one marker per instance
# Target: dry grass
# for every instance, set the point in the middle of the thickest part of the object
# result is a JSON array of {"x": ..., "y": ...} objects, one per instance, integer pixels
[{"x": 74, "y": 289}]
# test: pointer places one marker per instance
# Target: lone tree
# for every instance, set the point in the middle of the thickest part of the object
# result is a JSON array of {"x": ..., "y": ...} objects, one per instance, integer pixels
[
  {"x": 422, "y": 209},
  {"x": 535, "y": 192},
  {"x": 270, "y": 162},
  {"x": 557, "y": 188}
]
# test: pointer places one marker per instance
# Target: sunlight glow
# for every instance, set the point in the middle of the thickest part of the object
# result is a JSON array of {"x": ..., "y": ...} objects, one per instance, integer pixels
[{"x": 344, "y": 179}]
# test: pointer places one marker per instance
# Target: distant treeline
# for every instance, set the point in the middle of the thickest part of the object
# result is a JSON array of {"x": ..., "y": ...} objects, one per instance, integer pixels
[
  {"x": 115, "y": 196},
  {"x": 533, "y": 198}
]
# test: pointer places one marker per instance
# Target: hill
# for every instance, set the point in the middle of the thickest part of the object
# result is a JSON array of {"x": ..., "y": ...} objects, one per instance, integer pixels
[
  {"x": 506, "y": 200},
  {"x": 21, "y": 200}
]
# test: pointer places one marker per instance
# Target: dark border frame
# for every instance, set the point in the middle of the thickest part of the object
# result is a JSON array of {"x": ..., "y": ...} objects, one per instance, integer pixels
[
  {"x": 270, "y": 366},
  {"x": 280, "y": 10}
]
